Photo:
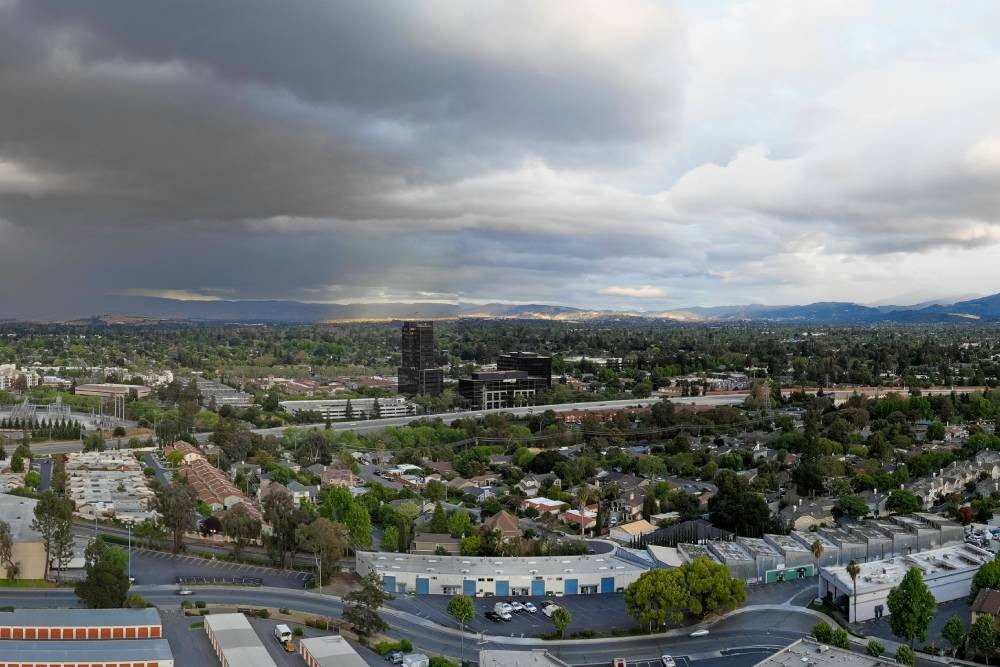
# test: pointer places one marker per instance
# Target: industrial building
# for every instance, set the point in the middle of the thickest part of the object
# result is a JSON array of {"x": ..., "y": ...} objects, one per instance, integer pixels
[
  {"x": 417, "y": 373},
  {"x": 28, "y": 549},
  {"x": 77, "y": 624},
  {"x": 483, "y": 577},
  {"x": 947, "y": 571},
  {"x": 329, "y": 651},
  {"x": 353, "y": 408},
  {"x": 535, "y": 365},
  {"x": 236, "y": 642}
]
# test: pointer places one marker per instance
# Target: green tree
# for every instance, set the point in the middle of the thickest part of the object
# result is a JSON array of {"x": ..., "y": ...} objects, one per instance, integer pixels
[
  {"x": 471, "y": 545},
  {"x": 390, "y": 539},
  {"x": 54, "y": 520},
  {"x": 283, "y": 517},
  {"x": 326, "y": 541},
  {"x": 839, "y": 638},
  {"x": 911, "y": 607},
  {"x": 149, "y": 532},
  {"x": 359, "y": 525},
  {"x": 134, "y": 601},
  {"x": 902, "y": 501},
  {"x": 823, "y": 633},
  {"x": 11, "y": 568},
  {"x": 983, "y": 637},
  {"x": 177, "y": 504},
  {"x": 241, "y": 527},
  {"x": 106, "y": 582},
  {"x": 988, "y": 576},
  {"x": 711, "y": 588},
  {"x": 436, "y": 490},
  {"x": 853, "y": 570},
  {"x": 738, "y": 508},
  {"x": 362, "y": 606},
  {"x": 459, "y": 523},
  {"x": 954, "y": 632},
  {"x": 875, "y": 648},
  {"x": 439, "y": 520},
  {"x": 853, "y": 506},
  {"x": 463, "y": 611},
  {"x": 32, "y": 479},
  {"x": 905, "y": 656},
  {"x": 657, "y": 598},
  {"x": 561, "y": 618}
]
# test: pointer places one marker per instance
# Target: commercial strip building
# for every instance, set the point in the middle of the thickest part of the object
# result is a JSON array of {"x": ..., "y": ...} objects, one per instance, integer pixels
[
  {"x": 236, "y": 642},
  {"x": 947, "y": 571},
  {"x": 28, "y": 549},
  {"x": 110, "y": 390},
  {"x": 809, "y": 653},
  {"x": 329, "y": 651},
  {"x": 353, "y": 408},
  {"x": 484, "y": 577}
]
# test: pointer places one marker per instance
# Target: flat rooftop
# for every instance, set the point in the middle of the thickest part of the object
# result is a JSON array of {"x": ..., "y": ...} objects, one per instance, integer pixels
[
  {"x": 533, "y": 658},
  {"x": 238, "y": 641},
  {"x": 786, "y": 543},
  {"x": 77, "y": 618},
  {"x": 19, "y": 513},
  {"x": 77, "y": 651},
  {"x": 758, "y": 547},
  {"x": 807, "y": 653},
  {"x": 388, "y": 563},
  {"x": 333, "y": 651},
  {"x": 888, "y": 572},
  {"x": 731, "y": 551}
]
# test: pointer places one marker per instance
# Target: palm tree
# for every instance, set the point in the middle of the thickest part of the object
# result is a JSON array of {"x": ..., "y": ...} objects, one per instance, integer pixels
[
  {"x": 817, "y": 551},
  {"x": 854, "y": 570}
]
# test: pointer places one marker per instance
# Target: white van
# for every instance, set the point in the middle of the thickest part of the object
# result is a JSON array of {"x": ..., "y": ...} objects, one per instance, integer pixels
[{"x": 282, "y": 633}]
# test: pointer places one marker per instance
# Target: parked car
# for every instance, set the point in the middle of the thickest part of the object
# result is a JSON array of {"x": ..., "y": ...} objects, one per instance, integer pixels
[
  {"x": 505, "y": 615},
  {"x": 516, "y": 606},
  {"x": 700, "y": 632},
  {"x": 550, "y": 609},
  {"x": 618, "y": 662},
  {"x": 394, "y": 657},
  {"x": 530, "y": 607},
  {"x": 493, "y": 616},
  {"x": 668, "y": 661}
]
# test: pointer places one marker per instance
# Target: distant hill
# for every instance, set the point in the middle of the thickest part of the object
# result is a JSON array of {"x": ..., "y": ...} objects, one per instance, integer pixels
[{"x": 139, "y": 309}]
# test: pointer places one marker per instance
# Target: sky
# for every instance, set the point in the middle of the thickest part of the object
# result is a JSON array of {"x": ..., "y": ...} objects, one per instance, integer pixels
[{"x": 628, "y": 154}]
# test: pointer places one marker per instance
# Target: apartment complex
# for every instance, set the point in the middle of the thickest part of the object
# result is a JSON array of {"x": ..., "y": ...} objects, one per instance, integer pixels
[
  {"x": 111, "y": 390},
  {"x": 215, "y": 488},
  {"x": 108, "y": 484},
  {"x": 418, "y": 373}
]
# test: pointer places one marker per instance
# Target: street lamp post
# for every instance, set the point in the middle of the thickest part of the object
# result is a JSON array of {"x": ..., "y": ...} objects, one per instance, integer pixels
[{"x": 130, "y": 551}]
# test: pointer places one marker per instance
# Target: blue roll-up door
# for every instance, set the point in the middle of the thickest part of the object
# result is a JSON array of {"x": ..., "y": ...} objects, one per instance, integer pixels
[
  {"x": 607, "y": 584},
  {"x": 537, "y": 588},
  {"x": 423, "y": 585},
  {"x": 571, "y": 587},
  {"x": 469, "y": 587},
  {"x": 503, "y": 588},
  {"x": 388, "y": 583}
]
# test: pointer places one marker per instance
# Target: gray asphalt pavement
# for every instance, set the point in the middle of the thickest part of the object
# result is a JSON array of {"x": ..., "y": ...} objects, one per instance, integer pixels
[
  {"x": 157, "y": 567},
  {"x": 45, "y": 470},
  {"x": 164, "y": 475}
]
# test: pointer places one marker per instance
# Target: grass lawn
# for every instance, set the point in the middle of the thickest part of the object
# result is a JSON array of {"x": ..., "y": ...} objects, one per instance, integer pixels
[{"x": 26, "y": 583}]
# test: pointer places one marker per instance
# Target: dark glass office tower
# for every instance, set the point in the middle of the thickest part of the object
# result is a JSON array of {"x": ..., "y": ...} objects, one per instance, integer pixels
[
  {"x": 418, "y": 374},
  {"x": 535, "y": 365}
]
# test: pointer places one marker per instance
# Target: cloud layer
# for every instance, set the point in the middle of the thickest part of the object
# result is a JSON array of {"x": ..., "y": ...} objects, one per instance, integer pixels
[{"x": 635, "y": 154}]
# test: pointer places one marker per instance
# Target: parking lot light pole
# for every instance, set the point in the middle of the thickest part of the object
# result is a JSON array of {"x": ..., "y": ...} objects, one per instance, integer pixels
[{"x": 130, "y": 551}]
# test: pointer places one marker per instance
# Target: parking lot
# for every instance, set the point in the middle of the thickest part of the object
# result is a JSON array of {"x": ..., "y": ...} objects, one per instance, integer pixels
[
  {"x": 158, "y": 567},
  {"x": 601, "y": 613}
]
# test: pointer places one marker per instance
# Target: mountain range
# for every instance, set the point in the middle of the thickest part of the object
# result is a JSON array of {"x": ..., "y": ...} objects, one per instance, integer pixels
[{"x": 132, "y": 309}]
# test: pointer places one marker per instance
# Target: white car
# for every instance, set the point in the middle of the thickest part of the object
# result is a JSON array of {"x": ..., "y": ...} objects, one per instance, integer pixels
[
  {"x": 668, "y": 661},
  {"x": 505, "y": 615},
  {"x": 506, "y": 608},
  {"x": 516, "y": 606},
  {"x": 530, "y": 608},
  {"x": 700, "y": 632},
  {"x": 185, "y": 591}
]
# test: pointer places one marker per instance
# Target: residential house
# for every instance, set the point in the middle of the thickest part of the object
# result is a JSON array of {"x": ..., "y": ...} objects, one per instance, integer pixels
[
  {"x": 480, "y": 493},
  {"x": 460, "y": 484},
  {"x": 506, "y": 523},
  {"x": 428, "y": 543},
  {"x": 987, "y": 603},
  {"x": 808, "y": 512},
  {"x": 186, "y": 449},
  {"x": 489, "y": 479},
  {"x": 627, "y": 532},
  {"x": 542, "y": 505},
  {"x": 302, "y": 492},
  {"x": 338, "y": 477},
  {"x": 584, "y": 520}
]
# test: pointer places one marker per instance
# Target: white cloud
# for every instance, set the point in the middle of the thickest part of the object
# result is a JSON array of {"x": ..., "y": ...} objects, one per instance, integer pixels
[{"x": 635, "y": 292}]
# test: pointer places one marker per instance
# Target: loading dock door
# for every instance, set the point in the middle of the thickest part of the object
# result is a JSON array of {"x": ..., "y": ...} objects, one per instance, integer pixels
[
  {"x": 607, "y": 584},
  {"x": 423, "y": 585},
  {"x": 388, "y": 583},
  {"x": 571, "y": 587},
  {"x": 537, "y": 588},
  {"x": 503, "y": 588},
  {"x": 469, "y": 587}
]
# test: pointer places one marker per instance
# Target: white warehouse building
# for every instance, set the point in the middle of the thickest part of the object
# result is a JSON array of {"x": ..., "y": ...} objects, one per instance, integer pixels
[
  {"x": 477, "y": 576},
  {"x": 947, "y": 571},
  {"x": 360, "y": 408}
]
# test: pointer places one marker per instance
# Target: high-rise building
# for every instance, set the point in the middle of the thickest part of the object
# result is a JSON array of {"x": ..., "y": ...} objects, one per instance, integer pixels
[
  {"x": 537, "y": 366},
  {"x": 499, "y": 389},
  {"x": 418, "y": 374}
]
